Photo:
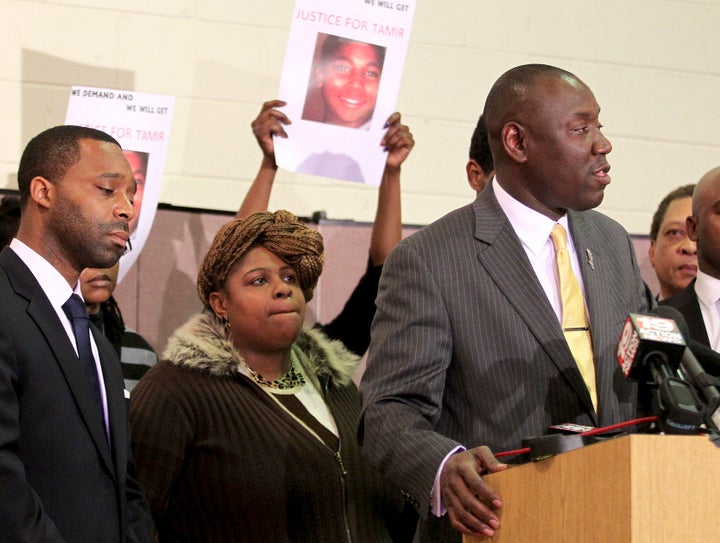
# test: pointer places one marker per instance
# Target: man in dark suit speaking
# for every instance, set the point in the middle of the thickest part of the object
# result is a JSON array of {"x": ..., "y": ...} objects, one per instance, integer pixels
[
  {"x": 473, "y": 348},
  {"x": 65, "y": 470}
]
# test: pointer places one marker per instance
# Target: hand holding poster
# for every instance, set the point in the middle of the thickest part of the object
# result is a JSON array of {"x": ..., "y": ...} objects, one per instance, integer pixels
[
  {"x": 340, "y": 80},
  {"x": 140, "y": 122}
]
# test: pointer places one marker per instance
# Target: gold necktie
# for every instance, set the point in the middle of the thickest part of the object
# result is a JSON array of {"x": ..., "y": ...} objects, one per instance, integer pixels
[{"x": 574, "y": 320}]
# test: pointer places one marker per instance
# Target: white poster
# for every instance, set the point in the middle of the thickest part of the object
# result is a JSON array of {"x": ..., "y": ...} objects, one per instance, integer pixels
[
  {"x": 341, "y": 79},
  {"x": 140, "y": 122}
]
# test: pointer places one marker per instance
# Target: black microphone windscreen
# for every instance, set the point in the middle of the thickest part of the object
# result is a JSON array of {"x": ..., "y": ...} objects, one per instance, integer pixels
[{"x": 709, "y": 359}]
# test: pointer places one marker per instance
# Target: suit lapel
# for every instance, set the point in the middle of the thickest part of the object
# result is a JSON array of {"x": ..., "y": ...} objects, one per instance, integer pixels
[
  {"x": 117, "y": 410},
  {"x": 596, "y": 278},
  {"x": 43, "y": 314},
  {"x": 689, "y": 306},
  {"x": 503, "y": 257}
]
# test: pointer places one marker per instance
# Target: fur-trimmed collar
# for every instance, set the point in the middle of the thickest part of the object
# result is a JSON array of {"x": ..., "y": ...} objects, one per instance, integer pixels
[{"x": 202, "y": 344}]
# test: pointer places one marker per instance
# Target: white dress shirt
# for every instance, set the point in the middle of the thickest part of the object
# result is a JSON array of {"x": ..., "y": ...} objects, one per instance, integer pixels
[
  {"x": 58, "y": 291},
  {"x": 707, "y": 289}
]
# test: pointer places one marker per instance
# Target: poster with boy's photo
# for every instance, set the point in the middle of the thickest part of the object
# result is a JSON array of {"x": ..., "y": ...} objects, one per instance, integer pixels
[
  {"x": 341, "y": 79},
  {"x": 140, "y": 122},
  {"x": 344, "y": 82},
  {"x": 139, "y": 164}
]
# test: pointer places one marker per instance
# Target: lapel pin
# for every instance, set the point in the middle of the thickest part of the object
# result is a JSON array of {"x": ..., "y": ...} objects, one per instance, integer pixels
[{"x": 590, "y": 260}]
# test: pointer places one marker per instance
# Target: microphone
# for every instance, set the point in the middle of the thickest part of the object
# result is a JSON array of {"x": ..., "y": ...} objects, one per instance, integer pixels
[
  {"x": 689, "y": 363},
  {"x": 650, "y": 350}
]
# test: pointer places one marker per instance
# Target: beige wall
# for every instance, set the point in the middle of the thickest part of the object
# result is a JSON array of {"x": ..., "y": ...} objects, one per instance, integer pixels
[{"x": 653, "y": 65}]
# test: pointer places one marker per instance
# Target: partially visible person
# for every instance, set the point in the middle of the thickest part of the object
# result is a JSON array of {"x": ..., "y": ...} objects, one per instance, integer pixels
[
  {"x": 136, "y": 354},
  {"x": 672, "y": 253},
  {"x": 344, "y": 82},
  {"x": 9, "y": 219},
  {"x": 699, "y": 302},
  {"x": 352, "y": 325},
  {"x": 479, "y": 168},
  {"x": 245, "y": 430},
  {"x": 472, "y": 347},
  {"x": 66, "y": 475},
  {"x": 139, "y": 163}
]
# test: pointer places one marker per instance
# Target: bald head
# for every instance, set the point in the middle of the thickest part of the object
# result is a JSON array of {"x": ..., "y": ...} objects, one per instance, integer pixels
[
  {"x": 513, "y": 97},
  {"x": 704, "y": 224},
  {"x": 706, "y": 188}
]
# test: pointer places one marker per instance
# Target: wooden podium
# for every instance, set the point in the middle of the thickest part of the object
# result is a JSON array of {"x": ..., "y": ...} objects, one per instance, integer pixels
[{"x": 631, "y": 489}]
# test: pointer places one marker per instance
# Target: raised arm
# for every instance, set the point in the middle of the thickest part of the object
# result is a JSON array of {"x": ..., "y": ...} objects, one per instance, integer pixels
[
  {"x": 387, "y": 227},
  {"x": 269, "y": 122},
  {"x": 352, "y": 325}
]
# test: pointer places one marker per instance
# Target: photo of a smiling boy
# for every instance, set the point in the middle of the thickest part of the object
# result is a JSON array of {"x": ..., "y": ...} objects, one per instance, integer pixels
[{"x": 344, "y": 82}]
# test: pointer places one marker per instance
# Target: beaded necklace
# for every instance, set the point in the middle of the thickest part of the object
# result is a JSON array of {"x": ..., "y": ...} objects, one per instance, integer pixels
[{"x": 291, "y": 379}]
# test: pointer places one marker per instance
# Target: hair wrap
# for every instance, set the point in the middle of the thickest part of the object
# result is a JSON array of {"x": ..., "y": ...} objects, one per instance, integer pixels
[{"x": 280, "y": 233}]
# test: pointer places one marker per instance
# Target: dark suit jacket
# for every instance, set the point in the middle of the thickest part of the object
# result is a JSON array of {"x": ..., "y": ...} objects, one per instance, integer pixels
[
  {"x": 687, "y": 304},
  {"x": 60, "y": 480},
  {"x": 466, "y": 348}
]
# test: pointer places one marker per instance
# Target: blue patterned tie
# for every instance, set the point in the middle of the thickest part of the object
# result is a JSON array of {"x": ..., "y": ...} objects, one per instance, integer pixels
[{"x": 77, "y": 313}]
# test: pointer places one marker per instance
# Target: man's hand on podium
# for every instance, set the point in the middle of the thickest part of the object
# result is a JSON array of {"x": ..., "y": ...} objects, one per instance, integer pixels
[{"x": 470, "y": 502}]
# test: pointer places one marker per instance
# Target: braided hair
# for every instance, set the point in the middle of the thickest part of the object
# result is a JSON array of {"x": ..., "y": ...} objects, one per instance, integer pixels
[{"x": 280, "y": 233}]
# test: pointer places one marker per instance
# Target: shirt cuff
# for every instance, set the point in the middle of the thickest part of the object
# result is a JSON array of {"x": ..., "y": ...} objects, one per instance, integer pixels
[{"x": 437, "y": 507}]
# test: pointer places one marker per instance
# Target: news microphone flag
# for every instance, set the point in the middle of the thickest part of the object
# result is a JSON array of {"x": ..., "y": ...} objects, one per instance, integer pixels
[{"x": 643, "y": 334}]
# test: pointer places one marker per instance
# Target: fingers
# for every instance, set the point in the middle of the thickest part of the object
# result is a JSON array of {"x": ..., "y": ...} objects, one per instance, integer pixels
[
  {"x": 395, "y": 131},
  {"x": 398, "y": 140},
  {"x": 486, "y": 460},
  {"x": 469, "y": 500},
  {"x": 269, "y": 122}
]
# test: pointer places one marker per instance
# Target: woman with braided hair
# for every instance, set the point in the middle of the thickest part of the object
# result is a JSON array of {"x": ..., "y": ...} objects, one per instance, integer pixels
[
  {"x": 245, "y": 430},
  {"x": 352, "y": 324}
]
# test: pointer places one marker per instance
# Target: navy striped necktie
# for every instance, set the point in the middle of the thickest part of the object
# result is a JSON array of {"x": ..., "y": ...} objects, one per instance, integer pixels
[{"x": 77, "y": 313}]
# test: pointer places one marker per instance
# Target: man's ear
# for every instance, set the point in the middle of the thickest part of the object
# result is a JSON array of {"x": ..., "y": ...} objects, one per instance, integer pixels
[
  {"x": 513, "y": 141},
  {"x": 651, "y": 253},
  {"x": 42, "y": 191},
  {"x": 691, "y": 225},
  {"x": 475, "y": 175}
]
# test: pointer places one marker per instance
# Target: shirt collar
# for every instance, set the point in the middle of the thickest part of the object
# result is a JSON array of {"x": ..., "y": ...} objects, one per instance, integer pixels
[
  {"x": 533, "y": 228},
  {"x": 51, "y": 281},
  {"x": 707, "y": 288}
]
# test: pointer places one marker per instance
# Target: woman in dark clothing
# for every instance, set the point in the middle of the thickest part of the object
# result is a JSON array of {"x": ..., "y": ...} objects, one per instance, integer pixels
[
  {"x": 352, "y": 325},
  {"x": 245, "y": 431}
]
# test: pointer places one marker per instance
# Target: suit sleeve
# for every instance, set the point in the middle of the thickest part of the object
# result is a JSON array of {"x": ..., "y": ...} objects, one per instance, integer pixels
[
  {"x": 404, "y": 381},
  {"x": 22, "y": 517}
]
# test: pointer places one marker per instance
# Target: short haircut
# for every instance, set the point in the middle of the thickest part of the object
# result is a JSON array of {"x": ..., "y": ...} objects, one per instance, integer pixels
[
  {"x": 685, "y": 191},
  {"x": 510, "y": 97},
  {"x": 9, "y": 219},
  {"x": 52, "y": 152},
  {"x": 333, "y": 43},
  {"x": 480, "y": 147}
]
